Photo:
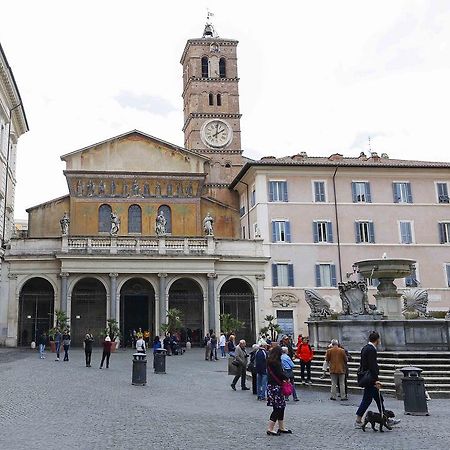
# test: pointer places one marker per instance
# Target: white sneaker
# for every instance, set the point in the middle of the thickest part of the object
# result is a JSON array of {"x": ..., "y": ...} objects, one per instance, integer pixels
[
  {"x": 358, "y": 425},
  {"x": 393, "y": 422}
]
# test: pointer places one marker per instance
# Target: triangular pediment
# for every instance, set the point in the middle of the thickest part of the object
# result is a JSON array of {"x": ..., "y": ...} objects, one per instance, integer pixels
[{"x": 134, "y": 152}]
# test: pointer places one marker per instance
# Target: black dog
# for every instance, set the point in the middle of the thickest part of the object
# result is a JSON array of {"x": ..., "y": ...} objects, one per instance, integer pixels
[{"x": 374, "y": 418}]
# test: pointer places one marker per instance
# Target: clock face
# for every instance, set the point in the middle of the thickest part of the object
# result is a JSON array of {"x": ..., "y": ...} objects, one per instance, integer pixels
[{"x": 216, "y": 133}]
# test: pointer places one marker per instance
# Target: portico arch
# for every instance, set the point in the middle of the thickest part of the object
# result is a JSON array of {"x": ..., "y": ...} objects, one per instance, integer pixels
[
  {"x": 88, "y": 309},
  {"x": 36, "y": 303},
  {"x": 237, "y": 298},
  {"x": 137, "y": 307},
  {"x": 186, "y": 294}
]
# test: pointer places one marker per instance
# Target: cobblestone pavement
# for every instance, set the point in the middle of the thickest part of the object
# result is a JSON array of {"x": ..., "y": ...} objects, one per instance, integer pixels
[{"x": 52, "y": 405}]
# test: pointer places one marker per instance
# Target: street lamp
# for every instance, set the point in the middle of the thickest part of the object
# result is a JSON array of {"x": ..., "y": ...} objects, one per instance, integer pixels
[{"x": 7, "y": 172}]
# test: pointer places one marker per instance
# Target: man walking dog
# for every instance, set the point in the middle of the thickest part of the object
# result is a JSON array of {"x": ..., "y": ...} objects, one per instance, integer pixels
[{"x": 368, "y": 378}]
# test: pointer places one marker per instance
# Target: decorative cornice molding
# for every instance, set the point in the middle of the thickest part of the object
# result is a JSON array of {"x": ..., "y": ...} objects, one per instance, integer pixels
[
  {"x": 211, "y": 275},
  {"x": 260, "y": 276},
  {"x": 285, "y": 299},
  {"x": 12, "y": 276}
]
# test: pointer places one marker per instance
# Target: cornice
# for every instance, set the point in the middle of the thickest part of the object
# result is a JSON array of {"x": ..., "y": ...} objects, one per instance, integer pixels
[
  {"x": 209, "y": 116},
  {"x": 207, "y": 42},
  {"x": 209, "y": 80}
]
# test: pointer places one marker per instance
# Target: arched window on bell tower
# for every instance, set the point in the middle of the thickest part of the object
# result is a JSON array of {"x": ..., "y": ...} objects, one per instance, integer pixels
[
  {"x": 211, "y": 99},
  {"x": 205, "y": 67},
  {"x": 222, "y": 68},
  {"x": 219, "y": 100}
]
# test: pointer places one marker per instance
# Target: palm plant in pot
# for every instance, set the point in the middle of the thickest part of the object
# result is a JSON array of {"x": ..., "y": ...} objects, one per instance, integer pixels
[
  {"x": 272, "y": 330},
  {"x": 61, "y": 324},
  {"x": 113, "y": 331},
  {"x": 230, "y": 325}
]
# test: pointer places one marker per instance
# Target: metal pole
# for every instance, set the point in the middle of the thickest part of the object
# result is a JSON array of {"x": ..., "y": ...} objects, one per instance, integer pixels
[{"x": 7, "y": 173}]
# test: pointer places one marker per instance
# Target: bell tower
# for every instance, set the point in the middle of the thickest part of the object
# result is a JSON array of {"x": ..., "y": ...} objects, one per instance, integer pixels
[{"x": 211, "y": 105}]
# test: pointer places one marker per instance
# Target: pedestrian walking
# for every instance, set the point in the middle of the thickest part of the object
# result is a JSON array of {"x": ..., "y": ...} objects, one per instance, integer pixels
[
  {"x": 167, "y": 344},
  {"x": 222, "y": 342},
  {"x": 207, "y": 345},
  {"x": 88, "y": 342},
  {"x": 252, "y": 368},
  {"x": 241, "y": 366},
  {"x": 305, "y": 354},
  {"x": 140, "y": 344},
  {"x": 42, "y": 344},
  {"x": 275, "y": 397},
  {"x": 337, "y": 361},
  {"x": 369, "y": 370},
  {"x": 213, "y": 348},
  {"x": 261, "y": 370},
  {"x": 287, "y": 342},
  {"x": 58, "y": 338},
  {"x": 106, "y": 352},
  {"x": 66, "y": 344},
  {"x": 288, "y": 368}
]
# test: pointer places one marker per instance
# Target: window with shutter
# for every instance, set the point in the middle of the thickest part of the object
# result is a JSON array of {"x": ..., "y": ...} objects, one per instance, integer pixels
[
  {"x": 319, "y": 191},
  {"x": 405, "y": 233},
  {"x": 361, "y": 192},
  {"x": 442, "y": 191},
  {"x": 448, "y": 274},
  {"x": 402, "y": 192},
  {"x": 444, "y": 232},
  {"x": 278, "y": 191},
  {"x": 326, "y": 275}
]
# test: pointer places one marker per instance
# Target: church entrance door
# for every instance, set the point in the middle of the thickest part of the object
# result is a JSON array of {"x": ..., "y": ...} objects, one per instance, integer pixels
[
  {"x": 137, "y": 309},
  {"x": 187, "y": 296}
]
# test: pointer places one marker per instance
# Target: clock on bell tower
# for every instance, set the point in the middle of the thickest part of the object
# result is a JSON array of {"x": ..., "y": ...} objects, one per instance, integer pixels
[{"x": 211, "y": 104}]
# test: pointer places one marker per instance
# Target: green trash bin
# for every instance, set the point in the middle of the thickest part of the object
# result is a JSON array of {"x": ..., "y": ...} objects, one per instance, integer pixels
[{"x": 414, "y": 397}]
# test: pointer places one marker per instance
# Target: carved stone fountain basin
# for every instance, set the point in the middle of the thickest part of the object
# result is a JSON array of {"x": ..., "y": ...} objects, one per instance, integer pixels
[{"x": 390, "y": 268}]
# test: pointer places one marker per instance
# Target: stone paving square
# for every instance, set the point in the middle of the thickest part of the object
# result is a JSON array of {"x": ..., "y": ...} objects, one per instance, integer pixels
[{"x": 63, "y": 405}]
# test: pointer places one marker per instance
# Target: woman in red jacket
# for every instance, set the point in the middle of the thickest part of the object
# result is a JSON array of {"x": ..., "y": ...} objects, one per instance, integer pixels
[{"x": 305, "y": 354}]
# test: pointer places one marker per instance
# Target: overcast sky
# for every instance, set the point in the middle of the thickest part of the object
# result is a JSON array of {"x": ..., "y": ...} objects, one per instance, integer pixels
[{"x": 315, "y": 76}]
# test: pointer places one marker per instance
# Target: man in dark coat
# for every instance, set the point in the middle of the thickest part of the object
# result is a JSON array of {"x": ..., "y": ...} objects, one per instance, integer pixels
[{"x": 372, "y": 391}]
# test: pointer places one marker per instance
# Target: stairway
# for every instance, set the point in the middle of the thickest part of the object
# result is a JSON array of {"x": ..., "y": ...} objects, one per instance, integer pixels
[{"x": 435, "y": 365}]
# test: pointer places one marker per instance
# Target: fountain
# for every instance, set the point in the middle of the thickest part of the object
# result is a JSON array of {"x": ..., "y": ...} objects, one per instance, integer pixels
[
  {"x": 400, "y": 318},
  {"x": 386, "y": 271}
]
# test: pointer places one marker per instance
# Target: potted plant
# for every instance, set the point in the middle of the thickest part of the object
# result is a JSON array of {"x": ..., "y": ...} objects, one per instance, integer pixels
[
  {"x": 272, "y": 329},
  {"x": 112, "y": 330},
  {"x": 174, "y": 321},
  {"x": 230, "y": 325},
  {"x": 60, "y": 325}
]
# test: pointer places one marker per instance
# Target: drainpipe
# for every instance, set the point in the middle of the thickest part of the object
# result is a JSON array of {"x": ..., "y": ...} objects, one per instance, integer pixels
[
  {"x": 337, "y": 224},
  {"x": 248, "y": 208},
  {"x": 7, "y": 173}
]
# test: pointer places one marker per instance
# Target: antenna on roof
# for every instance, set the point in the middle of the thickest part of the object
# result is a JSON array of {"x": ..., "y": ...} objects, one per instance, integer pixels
[{"x": 370, "y": 146}]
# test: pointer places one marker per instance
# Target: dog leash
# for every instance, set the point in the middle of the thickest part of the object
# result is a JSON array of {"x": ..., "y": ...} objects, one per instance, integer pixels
[{"x": 380, "y": 403}]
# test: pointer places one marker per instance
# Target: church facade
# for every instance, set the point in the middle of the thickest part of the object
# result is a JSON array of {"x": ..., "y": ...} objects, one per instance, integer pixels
[{"x": 146, "y": 225}]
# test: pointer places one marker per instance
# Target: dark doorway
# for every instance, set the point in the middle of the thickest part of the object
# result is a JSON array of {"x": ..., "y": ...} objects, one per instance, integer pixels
[
  {"x": 186, "y": 295},
  {"x": 237, "y": 299},
  {"x": 88, "y": 310},
  {"x": 36, "y": 304},
  {"x": 137, "y": 308}
]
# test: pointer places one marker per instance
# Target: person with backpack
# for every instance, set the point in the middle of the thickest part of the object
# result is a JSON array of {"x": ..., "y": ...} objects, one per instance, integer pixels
[
  {"x": 305, "y": 354},
  {"x": 261, "y": 370},
  {"x": 66, "y": 344},
  {"x": 88, "y": 341}
]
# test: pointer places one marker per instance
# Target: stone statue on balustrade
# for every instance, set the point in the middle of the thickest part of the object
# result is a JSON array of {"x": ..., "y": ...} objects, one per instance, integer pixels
[
  {"x": 115, "y": 224},
  {"x": 355, "y": 300},
  {"x": 208, "y": 225},
  {"x": 415, "y": 303},
  {"x": 65, "y": 222},
  {"x": 320, "y": 308},
  {"x": 161, "y": 223}
]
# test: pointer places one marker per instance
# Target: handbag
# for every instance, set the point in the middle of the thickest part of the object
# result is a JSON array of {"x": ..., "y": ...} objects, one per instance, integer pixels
[
  {"x": 364, "y": 378},
  {"x": 235, "y": 363},
  {"x": 286, "y": 387}
]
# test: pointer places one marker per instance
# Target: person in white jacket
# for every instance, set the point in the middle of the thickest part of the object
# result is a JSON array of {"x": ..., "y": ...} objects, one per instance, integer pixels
[
  {"x": 222, "y": 342},
  {"x": 140, "y": 344}
]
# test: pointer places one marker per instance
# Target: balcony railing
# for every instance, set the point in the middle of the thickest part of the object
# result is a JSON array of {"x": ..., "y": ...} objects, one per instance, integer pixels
[{"x": 113, "y": 245}]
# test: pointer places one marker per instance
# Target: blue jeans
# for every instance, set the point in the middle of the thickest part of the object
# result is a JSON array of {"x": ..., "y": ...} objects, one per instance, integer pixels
[
  {"x": 370, "y": 393},
  {"x": 58, "y": 346},
  {"x": 41, "y": 350},
  {"x": 222, "y": 349},
  {"x": 261, "y": 385}
]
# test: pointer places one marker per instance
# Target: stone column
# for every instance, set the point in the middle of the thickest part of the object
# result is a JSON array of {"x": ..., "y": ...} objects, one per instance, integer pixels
[
  {"x": 211, "y": 302},
  {"x": 13, "y": 305},
  {"x": 259, "y": 300},
  {"x": 63, "y": 302},
  {"x": 162, "y": 300},
  {"x": 113, "y": 295}
]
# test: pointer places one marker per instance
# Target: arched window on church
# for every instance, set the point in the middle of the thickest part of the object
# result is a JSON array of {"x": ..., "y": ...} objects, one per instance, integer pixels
[
  {"x": 104, "y": 219},
  {"x": 219, "y": 100},
  {"x": 222, "y": 68},
  {"x": 168, "y": 215},
  {"x": 211, "y": 99},
  {"x": 205, "y": 68},
  {"x": 134, "y": 219}
]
